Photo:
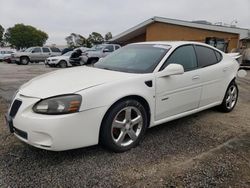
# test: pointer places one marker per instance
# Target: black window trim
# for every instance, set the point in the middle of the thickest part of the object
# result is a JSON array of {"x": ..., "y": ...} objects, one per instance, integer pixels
[
  {"x": 220, "y": 55},
  {"x": 197, "y": 67}
]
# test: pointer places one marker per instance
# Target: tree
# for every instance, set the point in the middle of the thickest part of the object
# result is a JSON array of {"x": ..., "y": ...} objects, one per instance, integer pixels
[
  {"x": 76, "y": 40},
  {"x": 24, "y": 36},
  {"x": 95, "y": 38},
  {"x": 108, "y": 36},
  {"x": 1, "y": 35}
]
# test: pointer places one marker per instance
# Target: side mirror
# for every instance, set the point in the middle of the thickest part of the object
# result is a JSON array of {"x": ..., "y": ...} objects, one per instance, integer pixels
[
  {"x": 172, "y": 69},
  {"x": 105, "y": 50}
]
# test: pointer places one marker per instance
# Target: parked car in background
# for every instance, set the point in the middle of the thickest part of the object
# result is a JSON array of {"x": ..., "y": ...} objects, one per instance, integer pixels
[
  {"x": 59, "y": 61},
  {"x": 34, "y": 55},
  {"x": 65, "y": 50},
  {"x": 115, "y": 101},
  {"x": 93, "y": 55},
  {"x": 5, "y": 54},
  {"x": 76, "y": 57},
  {"x": 246, "y": 57}
]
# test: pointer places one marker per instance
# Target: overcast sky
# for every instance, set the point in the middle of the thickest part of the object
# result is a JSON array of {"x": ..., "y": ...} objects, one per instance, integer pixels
[{"x": 59, "y": 18}]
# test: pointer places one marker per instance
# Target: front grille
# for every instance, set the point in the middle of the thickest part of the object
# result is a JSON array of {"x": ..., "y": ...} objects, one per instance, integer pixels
[
  {"x": 14, "y": 108},
  {"x": 20, "y": 133}
]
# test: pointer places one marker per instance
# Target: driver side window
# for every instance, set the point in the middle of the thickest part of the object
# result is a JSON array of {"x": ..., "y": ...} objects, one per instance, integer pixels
[{"x": 185, "y": 56}]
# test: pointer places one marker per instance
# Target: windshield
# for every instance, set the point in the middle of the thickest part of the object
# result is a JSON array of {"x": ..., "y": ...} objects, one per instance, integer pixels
[
  {"x": 135, "y": 58},
  {"x": 28, "y": 50},
  {"x": 68, "y": 53}
]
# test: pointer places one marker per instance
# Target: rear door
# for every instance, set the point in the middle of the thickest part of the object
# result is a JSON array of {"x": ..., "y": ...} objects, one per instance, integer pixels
[
  {"x": 179, "y": 93},
  {"x": 36, "y": 54},
  {"x": 212, "y": 73},
  {"x": 46, "y": 53},
  {"x": 55, "y": 51}
]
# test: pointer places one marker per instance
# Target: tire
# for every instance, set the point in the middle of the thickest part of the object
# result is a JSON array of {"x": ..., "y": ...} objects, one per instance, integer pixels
[
  {"x": 230, "y": 98},
  {"x": 62, "y": 64},
  {"x": 24, "y": 60},
  {"x": 124, "y": 126}
]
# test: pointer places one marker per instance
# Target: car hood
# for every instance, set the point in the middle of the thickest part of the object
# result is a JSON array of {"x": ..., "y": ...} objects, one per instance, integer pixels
[{"x": 69, "y": 81}]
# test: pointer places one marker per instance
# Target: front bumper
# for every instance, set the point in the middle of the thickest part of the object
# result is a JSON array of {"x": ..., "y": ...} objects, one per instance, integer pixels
[{"x": 56, "y": 132}]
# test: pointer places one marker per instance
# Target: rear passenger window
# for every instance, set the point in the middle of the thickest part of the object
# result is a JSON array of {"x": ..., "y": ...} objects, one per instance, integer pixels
[
  {"x": 46, "y": 50},
  {"x": 218, "y": 55},
  {"x": 206, "y": 56},
  {"x": 36, "y": 50},
  {"x": 185, "y": 56},
  {"x": 55, "y": 50}
]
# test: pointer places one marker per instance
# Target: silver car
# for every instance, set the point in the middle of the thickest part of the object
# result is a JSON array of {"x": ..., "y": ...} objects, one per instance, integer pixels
[{"x": 35, "y": 54}]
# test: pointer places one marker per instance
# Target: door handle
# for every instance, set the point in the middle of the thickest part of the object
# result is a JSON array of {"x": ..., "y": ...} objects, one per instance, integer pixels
[{"x": 196, "y": 77}]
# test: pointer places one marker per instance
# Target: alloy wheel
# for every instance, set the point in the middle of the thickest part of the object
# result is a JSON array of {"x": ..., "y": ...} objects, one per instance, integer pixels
[
  {"x": 231, "y": 97},
  {"x": 127, "y": 126}
]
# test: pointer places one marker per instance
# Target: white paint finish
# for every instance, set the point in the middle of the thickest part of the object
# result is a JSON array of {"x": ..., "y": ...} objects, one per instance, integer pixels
[
  {"x": 184, "y": 94},
  {"x": 176, "y": 94},
  {"x": 71, "y": 80}
]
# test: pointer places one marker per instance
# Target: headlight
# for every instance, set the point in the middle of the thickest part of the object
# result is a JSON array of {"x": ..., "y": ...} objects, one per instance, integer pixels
[{"x": 59, "y": 105}]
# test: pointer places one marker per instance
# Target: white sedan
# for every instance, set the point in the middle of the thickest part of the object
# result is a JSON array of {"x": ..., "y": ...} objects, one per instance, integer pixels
[
  {"x": 113, "y": 103},
  {"x": 59, "y": 61}
]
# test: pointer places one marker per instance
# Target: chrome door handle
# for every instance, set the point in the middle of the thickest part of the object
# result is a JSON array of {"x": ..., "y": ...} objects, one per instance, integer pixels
[{"x": 196, "y": 77}]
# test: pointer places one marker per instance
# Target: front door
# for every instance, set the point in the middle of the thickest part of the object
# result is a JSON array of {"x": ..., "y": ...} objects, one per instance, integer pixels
[{"x": 179, "y": 93}]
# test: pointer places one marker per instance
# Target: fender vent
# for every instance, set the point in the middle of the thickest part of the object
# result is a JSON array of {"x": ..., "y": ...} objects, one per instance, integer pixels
[
  {"x": 14, "y": 108},
  {"x": 149, "y": 83}
]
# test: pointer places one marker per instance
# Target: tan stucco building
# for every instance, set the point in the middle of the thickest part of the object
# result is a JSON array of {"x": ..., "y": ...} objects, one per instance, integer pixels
[{"x": 164, "y": 29}]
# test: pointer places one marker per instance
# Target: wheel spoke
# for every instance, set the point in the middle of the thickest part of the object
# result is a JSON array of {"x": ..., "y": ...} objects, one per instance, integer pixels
[
  {"x": 121, "y": 137},
  {"x": 118, "y": 124},
  {"x": 132, "y": 134},
  {"x": 234, "y": 97},
  {"x": 128, "y": 114},
  {"x": 233, "y": 91},
  {"x": 136, "y": 120},
  {"x": 228, "y": 98}
]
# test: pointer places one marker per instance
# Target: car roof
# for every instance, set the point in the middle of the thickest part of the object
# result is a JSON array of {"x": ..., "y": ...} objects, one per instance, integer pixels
[{"x": 174, "y": 43}]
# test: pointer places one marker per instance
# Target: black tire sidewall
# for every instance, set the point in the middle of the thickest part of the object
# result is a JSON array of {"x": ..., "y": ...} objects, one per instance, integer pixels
[
  {"x": 62, "y": 62},
  {"x": 105, "y": 132},
  {"x": 223, "y": 106}
]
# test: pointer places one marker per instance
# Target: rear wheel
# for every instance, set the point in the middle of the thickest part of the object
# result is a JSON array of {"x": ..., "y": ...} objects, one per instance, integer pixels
[
  {"x": 24, "y": 60},
  {"x": 62, "y": 64},
  {"x": 230, "y": 98},
  {"x": 124, "y": 126}
]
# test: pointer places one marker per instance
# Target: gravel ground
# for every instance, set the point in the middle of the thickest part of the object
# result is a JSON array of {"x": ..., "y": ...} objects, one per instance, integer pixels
[{"x": 208, "y": 149}]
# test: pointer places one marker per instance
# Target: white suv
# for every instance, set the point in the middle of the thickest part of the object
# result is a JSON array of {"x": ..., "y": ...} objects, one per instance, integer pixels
[{"x": 34, "y": 54}]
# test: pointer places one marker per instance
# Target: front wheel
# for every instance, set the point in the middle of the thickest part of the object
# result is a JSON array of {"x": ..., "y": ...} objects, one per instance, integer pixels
[
  {"x": 62, "y": 64},
  {"x": 24, "y": 60},
  {"x": 124, "y": 126},
  {"x": 230, "y": 98}
]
